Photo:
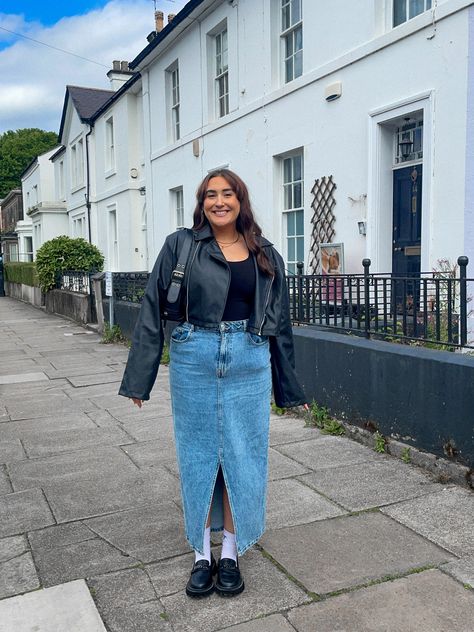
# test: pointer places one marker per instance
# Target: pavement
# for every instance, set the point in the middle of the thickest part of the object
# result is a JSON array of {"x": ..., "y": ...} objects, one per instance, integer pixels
[{"x": 91, "y": 528}]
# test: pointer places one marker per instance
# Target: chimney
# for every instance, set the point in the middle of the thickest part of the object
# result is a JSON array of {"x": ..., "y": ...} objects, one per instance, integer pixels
[
  {"x": 171, "y": 16},
  {"x": 159, "y": 21},
  {"x": 119, "y": 74}
]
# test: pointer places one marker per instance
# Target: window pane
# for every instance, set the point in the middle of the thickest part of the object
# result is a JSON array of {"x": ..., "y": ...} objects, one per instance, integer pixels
[
  {"x": 428, "y": 4},
  {"x": 285, "y": 16},
  {"x": 298, "y": 38},
  {"x": 289, "y": 45},
  {"x": 399, "y": 12},
  {"x": 291, "y": 268},
  {"x": 287, "y": 197},
  {"x": 300, "y": 223},
  {"x": 290, "y": 224},
  {"x": 297, "y": 197},
  {"x": 298, "y": 63},
  {"x": 295, "y": 11},
  {"x": 287, "y": 171},
  {"x": 291, "y": 250},
  {"x": 300, "y": 249},
  {"x": 289, "y": 70},
  {"x": 416, "y": 7},
  {"x": 297, "y": 160}
]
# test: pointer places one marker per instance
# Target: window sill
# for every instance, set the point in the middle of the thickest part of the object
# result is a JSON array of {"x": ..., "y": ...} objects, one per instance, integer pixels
[
  {"x": 110, "y": 173},
  {"x": 78, "y": 187}
]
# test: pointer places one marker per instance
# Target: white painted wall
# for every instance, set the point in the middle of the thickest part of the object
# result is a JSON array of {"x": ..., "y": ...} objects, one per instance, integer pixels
[{"x": 383, "y": 72}]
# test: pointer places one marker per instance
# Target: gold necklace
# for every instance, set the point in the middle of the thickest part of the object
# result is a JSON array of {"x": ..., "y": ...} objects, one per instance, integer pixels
[{"x": 224, "y": 244}]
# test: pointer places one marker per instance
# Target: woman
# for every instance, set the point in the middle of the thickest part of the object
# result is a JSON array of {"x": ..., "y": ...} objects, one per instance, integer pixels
[{"x": 234, "y": 342}]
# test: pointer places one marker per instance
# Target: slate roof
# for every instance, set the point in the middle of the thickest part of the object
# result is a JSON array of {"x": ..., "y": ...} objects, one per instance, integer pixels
[{"x": 86, "y": 101}]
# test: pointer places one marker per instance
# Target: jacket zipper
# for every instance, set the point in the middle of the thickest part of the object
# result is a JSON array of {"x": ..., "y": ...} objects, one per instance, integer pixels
[
  {"x": 265, "y": 306},
  {"x": 187, "y": 286}
]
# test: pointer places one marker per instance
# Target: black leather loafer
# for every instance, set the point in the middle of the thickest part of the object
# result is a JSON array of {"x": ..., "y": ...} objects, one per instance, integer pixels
[
  {"x": 229, "y": 581},
  {"x": 201, "y": 583}
]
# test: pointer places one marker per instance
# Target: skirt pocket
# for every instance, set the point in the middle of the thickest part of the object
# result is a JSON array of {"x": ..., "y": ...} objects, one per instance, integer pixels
[
  {"x": 181, "y": 333},
  {"x": 256, "y": 339}
]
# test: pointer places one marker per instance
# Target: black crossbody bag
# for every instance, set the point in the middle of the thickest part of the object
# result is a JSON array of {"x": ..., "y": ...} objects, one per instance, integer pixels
[{"x": 172, "y": 310}]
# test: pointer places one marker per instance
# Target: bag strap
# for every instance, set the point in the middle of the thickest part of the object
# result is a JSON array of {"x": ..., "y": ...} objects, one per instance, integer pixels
[{"x": 178, "y": 273}]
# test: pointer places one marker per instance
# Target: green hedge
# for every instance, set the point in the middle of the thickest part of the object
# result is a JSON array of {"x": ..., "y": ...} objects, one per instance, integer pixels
[{"x": 21, "y": 273}]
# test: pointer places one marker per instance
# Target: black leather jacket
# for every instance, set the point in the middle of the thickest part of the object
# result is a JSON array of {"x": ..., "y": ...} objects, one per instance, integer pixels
[{"x": 204, "y": 295}]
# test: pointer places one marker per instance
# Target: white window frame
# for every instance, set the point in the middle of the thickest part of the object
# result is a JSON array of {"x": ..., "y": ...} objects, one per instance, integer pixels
[
  {"x": 175, "y": 102},
  {"x": 289, "y": 32},
  {"x": 290, "y": 208},
  {"x": 178, "y": 207},
  {"x": 112, "y": 233},
  {"x": 221, "y": 72},
  {"x": 109, "y": 145},
  {"x": 78, "y": 225},
  {"x": 61, "y": 182},
  {"x": 409, "y": 6},
  {"x": 77, "y": 164}
]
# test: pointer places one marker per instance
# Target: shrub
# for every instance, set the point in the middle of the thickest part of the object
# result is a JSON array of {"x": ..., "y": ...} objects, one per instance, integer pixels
[
  {"x": 64, "y": 253},
  {"x": 24, "y": 273}
]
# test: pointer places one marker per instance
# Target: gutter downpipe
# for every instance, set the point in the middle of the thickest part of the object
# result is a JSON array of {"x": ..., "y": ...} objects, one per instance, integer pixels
[{"x": 88, "y": 203}]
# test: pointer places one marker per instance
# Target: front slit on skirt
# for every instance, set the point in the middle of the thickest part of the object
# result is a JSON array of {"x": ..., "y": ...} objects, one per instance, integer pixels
[{"x": 220, "y": 392}]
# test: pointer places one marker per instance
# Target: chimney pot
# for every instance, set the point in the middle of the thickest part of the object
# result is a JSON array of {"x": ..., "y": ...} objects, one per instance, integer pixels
[
  {"x": 159, "y": 21},
  {"x": 171, "y": 16},
  {"x": 115, "y": 65},
  {"x": 124, "y": 66}
]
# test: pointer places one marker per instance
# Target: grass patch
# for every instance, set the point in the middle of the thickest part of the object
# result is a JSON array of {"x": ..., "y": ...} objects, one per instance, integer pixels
[
  {"x": 319, "y": 417},
  {"x": 165, "y": 356},
  {"x": 277, "y": 410},
  {"x": 380, "y": 444},
  {"x": 112, "y": 334}
]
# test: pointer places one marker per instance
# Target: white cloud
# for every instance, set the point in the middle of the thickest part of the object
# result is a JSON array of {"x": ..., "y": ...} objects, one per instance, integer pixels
[{"x": 34, "y": 77}]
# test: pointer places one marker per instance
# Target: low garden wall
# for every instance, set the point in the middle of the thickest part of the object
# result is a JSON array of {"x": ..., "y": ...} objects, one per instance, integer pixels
[
  {"x": 73, "y": 305},
  {"x": 420, "y": 396},
  {"x": 27, "y": 293}
]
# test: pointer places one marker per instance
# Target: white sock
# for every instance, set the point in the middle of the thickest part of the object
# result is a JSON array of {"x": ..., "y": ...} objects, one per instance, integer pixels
[
  {"x": 207, "y": 547},
  {"x": 229, "y": 547}
]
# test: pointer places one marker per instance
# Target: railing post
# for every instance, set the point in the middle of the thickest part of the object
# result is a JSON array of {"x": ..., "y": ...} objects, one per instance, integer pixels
[
  {"x": 366, "y": 263},
  {"x": 462, "y": 263},
  {"x": 99, "y": 307},
  {"x": 299, "y": 267}
]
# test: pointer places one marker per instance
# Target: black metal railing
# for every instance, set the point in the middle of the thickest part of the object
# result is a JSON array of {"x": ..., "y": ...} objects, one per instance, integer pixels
[
  {"x": 129, "y": 286},
  {"x": 429, "y": 308},
  {"x": 74, "y": 281}
]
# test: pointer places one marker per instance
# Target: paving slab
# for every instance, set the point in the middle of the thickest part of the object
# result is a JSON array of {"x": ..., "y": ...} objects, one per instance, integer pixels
[
  {"x": 328, "y": 452},
  {"x": 104, "y": 419},
  {"x": 20, "y": 378},
  {"x": 78, "y": 560},
  {"x": 349, "y": 551},
  {"x": 371, "y": 484},
  {"x": 127, "y": 602},
  {"x": 11, "y": 450},
  {"x": 148, "y": 427},
  {"x": 267, "y": 590},
  {"x": 17, "y": 569},
  {"x": 59, "y": 441},
  {"x": 5, "y": 485},
  {"x": 82, "y": 370},
  {"x": 151, "y": 453},
  {"x": 273, "y": 623},
  {"x": 289, "y": 503},
  {"x": 70, "y": 468},
  {"x": 23, "y": 365},
  {"x": 104, "y": 495},
  {"x": 19, "y": 410},
  {"x": 68, "y": 607},
  {"x": 290, "y": 430},
  {"x": 24, "y": 511},
  {"x": 35, "y": 427},
  {"x": 92, "y": 380},
  {"x": 281, "y": 466},
  {"x": 462, "y": 570},
  {"x": 445, "y": 517},
  {"x": 147, "y": 533},
  {"x": 423, "y": 602}
]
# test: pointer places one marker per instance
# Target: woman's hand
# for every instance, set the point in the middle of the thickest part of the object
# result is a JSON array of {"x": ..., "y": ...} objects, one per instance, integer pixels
[
  {"x": 306, "y": 407},
  {"x": 137, "y": 402}
]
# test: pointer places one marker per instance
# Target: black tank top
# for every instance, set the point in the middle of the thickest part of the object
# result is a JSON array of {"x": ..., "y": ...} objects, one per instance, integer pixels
[{"x": 241, "y": 290}]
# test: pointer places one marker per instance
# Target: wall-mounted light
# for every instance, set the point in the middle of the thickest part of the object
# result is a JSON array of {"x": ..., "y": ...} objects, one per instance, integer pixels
[
  {"x": 362, "y": 225},
  {"x": 142, "y": 190},
  {"x": 333, "y": 91}
]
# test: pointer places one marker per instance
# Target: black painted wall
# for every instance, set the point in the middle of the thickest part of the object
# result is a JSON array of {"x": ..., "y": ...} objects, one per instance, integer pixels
[{"x": 422, "y": 396}]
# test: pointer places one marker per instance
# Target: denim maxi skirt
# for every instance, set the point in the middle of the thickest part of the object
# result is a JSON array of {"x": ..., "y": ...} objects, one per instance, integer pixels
[{"x": 220, "y": 382}]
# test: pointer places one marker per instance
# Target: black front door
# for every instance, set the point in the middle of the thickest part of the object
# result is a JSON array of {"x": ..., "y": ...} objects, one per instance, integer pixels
[{"x": 406, "y": 258}]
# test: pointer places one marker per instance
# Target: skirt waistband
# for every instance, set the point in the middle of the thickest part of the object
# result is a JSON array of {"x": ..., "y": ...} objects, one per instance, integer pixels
[{"x": 226, "y": 326}]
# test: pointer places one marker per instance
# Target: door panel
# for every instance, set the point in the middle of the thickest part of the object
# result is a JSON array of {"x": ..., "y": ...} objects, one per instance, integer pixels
[{"x": 407, "y": 193}]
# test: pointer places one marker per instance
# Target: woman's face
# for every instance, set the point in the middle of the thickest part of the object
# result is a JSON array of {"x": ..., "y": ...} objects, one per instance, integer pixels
[{"x": 221, "y": 205}]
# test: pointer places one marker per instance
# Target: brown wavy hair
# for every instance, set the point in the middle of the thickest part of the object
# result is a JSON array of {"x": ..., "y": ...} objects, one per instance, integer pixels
[{"x": 246, "y": 224}]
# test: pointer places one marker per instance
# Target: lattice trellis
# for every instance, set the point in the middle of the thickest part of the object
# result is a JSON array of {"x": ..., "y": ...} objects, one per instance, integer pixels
[{"x": 323, "y": 219}]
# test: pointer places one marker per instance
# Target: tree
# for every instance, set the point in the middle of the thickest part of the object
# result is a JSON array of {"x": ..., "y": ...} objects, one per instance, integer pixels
[{"x": 17, "y": 150}]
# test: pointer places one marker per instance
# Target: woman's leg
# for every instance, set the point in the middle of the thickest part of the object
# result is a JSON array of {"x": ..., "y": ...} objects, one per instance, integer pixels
[{"x": 229, "y": 547}]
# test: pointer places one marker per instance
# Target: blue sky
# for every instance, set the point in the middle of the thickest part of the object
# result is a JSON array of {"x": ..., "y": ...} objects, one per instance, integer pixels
[{"x": 33, "y": 77}]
